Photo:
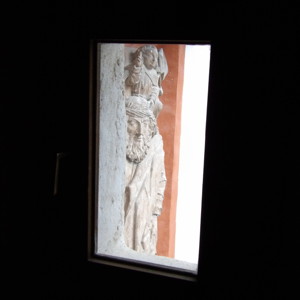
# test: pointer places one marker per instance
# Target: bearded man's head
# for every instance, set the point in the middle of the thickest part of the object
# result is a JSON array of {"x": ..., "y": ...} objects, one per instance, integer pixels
[{"x": 141, "y": 127}]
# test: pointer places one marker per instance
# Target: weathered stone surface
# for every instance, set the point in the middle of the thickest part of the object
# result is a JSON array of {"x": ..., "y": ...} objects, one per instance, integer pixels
[
  {"x": 112, "y": 135},
  {"x": 145, "y": 170}
]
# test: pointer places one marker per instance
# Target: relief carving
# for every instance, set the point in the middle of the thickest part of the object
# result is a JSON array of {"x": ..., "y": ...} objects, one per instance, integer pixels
[{"x": 145, "y": 171}]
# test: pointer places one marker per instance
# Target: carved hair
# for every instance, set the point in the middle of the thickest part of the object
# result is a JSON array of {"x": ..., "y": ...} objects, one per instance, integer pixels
[{"x": 137, "y": 108}]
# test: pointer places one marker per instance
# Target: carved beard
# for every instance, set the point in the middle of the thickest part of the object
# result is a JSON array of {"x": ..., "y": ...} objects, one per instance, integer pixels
[{"x": 136, "y": 149}]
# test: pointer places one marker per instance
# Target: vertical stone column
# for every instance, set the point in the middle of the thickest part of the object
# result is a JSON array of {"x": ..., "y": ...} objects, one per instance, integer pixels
[{"x": 112, "y": 145}]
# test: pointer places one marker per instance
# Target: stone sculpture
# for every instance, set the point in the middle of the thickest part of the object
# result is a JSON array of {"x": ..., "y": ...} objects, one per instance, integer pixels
[{"x": 145, "y": 170}]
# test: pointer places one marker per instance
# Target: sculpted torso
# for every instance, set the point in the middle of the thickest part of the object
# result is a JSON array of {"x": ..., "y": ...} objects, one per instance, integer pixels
[{"x": 145, "y": 170}]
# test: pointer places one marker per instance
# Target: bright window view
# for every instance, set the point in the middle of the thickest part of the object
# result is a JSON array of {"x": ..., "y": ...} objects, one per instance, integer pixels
[
  {"x": 151, "y": 137},
  {"x": 192, "y": 142}
]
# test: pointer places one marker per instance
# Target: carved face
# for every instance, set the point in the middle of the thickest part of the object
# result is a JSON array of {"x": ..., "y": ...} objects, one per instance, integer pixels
[
  {"x": 139, "y": 134},
  {"x": 150, "y": 59}
]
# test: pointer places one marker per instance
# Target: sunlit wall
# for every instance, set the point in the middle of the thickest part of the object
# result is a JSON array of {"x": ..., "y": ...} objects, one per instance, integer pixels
[{"x": 192, "y": 141}]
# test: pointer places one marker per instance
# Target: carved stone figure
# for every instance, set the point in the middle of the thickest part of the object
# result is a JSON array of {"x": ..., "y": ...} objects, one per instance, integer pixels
[
  {"x": 145, "y": 170},
  {"x": 145, "y": 75}
]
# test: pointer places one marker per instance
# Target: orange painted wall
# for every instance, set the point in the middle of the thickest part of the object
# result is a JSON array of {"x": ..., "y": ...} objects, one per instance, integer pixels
[{"x": 169, "y": 126}]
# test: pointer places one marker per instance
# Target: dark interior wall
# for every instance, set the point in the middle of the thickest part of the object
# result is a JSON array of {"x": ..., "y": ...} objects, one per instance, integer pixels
[{"x": 250, "y": 226}]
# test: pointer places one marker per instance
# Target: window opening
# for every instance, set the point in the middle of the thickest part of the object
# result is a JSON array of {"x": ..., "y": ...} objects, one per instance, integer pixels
[{"x": 150, "y": 137}]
